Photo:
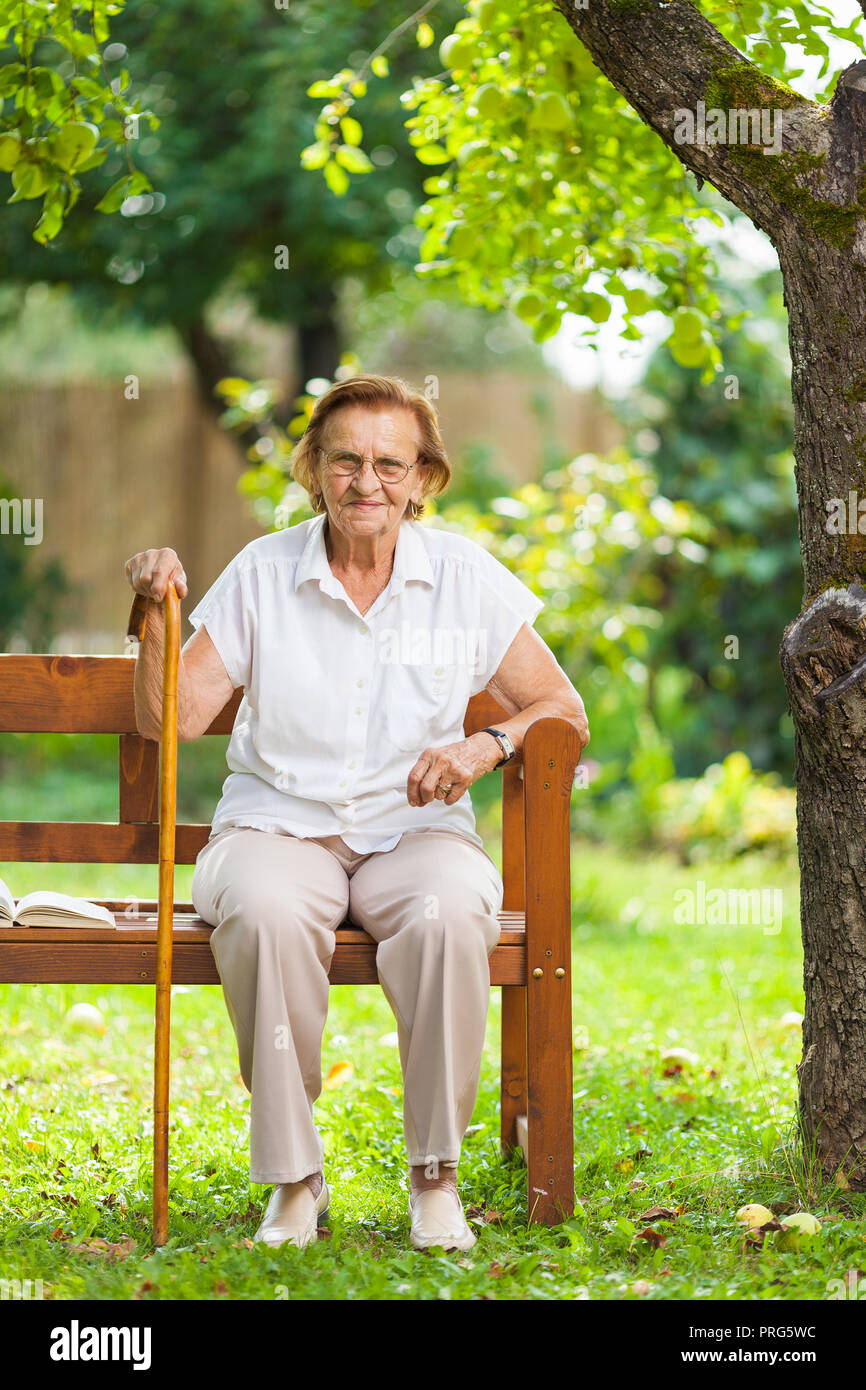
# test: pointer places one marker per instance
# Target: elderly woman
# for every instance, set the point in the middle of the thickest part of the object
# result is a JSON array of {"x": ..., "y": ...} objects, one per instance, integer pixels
[{"x": 358, "y": 637}]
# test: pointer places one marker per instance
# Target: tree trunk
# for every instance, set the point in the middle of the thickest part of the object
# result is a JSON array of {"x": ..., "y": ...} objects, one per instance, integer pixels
[
  {"x": 211, "y": 363},
  {"x": 819, "y": 650},
  {"x": 825, "y": 291},
  {"x": 318, "y": 349},
  {"x": 810, "y": 199},
  {"x": 318, "y": 355}
]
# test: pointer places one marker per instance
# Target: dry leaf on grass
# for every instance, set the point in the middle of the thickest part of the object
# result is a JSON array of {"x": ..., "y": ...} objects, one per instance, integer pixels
[
  {"x": 105, "y": 1249},
  {"x": 653, "y": 1238},
  {"x": 485, "y": 1214},
  {"x": 659, "y": 1214}
]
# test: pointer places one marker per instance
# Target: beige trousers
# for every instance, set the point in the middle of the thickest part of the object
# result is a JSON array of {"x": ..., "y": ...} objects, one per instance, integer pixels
[{"x": 275, "y": 901}]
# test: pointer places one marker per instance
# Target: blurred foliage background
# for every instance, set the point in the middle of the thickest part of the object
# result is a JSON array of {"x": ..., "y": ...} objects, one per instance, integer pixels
[{"x": 668, "y": 565}]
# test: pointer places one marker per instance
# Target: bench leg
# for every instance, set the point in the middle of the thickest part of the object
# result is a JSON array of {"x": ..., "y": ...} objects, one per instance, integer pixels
[
  {"x": 513, "y": 1084},
  {"x": 550, "y": 1109},
  {"x": 551, "y": 752}
]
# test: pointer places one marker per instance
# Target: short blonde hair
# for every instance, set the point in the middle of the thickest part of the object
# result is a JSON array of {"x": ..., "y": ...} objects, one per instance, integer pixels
[{"x": 373, "y": 392}]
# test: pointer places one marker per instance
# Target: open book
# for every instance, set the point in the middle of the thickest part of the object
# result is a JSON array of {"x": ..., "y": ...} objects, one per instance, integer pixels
[{"x": 51, "y": 910}]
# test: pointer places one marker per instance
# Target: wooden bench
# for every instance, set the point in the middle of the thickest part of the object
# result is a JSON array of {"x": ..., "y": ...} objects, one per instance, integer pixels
[{"x": 531, "y": 963}]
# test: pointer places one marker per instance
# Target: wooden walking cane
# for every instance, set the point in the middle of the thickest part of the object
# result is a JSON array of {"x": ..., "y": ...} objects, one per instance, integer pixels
[{"x": 165, "y": 918}]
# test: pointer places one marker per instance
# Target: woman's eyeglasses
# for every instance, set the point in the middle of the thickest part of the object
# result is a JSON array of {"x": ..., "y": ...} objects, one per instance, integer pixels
[{"x": 345, "y": 462}]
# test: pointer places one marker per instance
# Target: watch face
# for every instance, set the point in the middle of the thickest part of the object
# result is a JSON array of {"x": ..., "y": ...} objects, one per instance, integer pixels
[{"x": 507, "y": 747}]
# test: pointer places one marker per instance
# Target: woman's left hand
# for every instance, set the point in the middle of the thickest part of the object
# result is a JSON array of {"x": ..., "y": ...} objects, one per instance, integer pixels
[{"x": 457, "y": 765}]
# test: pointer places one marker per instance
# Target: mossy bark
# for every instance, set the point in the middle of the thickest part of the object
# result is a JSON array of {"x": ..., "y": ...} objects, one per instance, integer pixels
[{"x": 810, "y": 199}]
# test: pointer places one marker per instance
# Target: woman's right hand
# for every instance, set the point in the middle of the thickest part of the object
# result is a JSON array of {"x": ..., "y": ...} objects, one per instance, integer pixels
[{"x": 150, "y": 570}]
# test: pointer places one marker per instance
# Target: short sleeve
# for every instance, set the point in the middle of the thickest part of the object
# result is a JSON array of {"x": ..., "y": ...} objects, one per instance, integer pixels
[
  {"x": 228, "y": 611},
  {"x": 506, "y": 603}
]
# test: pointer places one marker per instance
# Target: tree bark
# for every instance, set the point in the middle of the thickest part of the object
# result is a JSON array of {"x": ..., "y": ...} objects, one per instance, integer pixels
[
  {"x": 318, "y": 354},
  {"x": 810, "y": 199},
  {"x": 828, "y": 703}
]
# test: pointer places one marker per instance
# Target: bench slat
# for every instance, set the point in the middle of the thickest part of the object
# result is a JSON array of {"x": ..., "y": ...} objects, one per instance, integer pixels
[
  {"x": 93, "y": 842},
  {"x": 134, "y": 963},
  {"x": 42, "y": 694},
  {"x": 191, "y": 930}
]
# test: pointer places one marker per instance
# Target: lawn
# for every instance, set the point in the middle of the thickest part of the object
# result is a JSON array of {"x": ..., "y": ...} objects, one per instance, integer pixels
[{"x": 700, "y": 1136}]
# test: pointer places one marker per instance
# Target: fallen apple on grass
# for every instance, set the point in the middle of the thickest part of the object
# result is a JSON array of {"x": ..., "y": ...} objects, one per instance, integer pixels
[
  {"x": 754, "y": 1216},
  {"x": 799, "y": 1227}
]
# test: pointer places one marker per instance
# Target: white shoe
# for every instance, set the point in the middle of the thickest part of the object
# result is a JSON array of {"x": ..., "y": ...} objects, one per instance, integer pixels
[
  {"x": 293, "y": 1214},
  {"x": 437, "y": 1219}
]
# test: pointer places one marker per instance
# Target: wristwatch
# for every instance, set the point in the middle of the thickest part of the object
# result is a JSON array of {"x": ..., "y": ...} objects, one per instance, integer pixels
[{"x": 504, "y": 743}]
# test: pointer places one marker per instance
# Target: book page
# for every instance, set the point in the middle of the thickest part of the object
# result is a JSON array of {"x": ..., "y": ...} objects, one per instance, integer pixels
[
  {"x": 46, "y": 909},
  {"x": 7, "y": 905}
]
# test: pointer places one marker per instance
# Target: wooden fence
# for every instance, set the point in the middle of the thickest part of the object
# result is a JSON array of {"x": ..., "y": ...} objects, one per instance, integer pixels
[{"x": 116, "y": 476}]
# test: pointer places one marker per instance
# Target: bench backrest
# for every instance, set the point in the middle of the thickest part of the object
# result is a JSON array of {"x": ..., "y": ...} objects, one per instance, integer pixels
[{"x": 94, "y": 694}]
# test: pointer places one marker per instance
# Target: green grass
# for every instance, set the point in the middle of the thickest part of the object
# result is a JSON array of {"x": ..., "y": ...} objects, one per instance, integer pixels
[{"x": 76, "y": 1124}]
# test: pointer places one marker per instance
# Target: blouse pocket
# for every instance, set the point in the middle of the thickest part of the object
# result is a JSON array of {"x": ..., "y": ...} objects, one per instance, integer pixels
[{"x": 423, "y": 706}]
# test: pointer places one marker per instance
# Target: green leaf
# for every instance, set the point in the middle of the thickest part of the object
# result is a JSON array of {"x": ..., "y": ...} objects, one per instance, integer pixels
[
  {"x": 336, "y": 179},
  {"x": 352, "y": 130},
  {"x": 95, "y": 91},
  {"x": 51, "y": 220},
  {"x": 74, "y": 143},
  {"x": 10, "y": 78},
  {"x": 597, "y": 308},
  {"x": 547, "y": 326},
  {"x": 10, "y": 150},
  {"x": 315, "y": 156},
  {"x": 29, "y": 181},
  {"x": 329, "y": 90},
  {"x": 353, "y": 159},
  {"x": 688, "y": 326},
  {"x": 637, "y": 301},
  {"x": 432, "y": 154},
  {"x": 115, "y": 196}
]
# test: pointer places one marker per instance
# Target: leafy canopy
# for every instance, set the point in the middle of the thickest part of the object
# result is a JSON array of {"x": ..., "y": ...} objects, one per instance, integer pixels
[
  {"x": 548, "y": 193},
  {"x": 61, "y": 112}
]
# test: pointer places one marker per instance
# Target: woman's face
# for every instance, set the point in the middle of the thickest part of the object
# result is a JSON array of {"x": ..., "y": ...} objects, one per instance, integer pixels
[{"x": 363, "y": 505}]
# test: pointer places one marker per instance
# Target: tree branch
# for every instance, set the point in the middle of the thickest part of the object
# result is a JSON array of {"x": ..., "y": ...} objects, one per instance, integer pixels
[{"x": 665, "y": 58}]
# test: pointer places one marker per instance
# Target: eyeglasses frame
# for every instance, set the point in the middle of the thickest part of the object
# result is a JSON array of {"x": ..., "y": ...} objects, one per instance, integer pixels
[{"x": 373, "y": 461}]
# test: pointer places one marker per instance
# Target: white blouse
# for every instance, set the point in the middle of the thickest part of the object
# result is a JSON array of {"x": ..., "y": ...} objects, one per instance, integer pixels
[{"x": 338, "y": 706}]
